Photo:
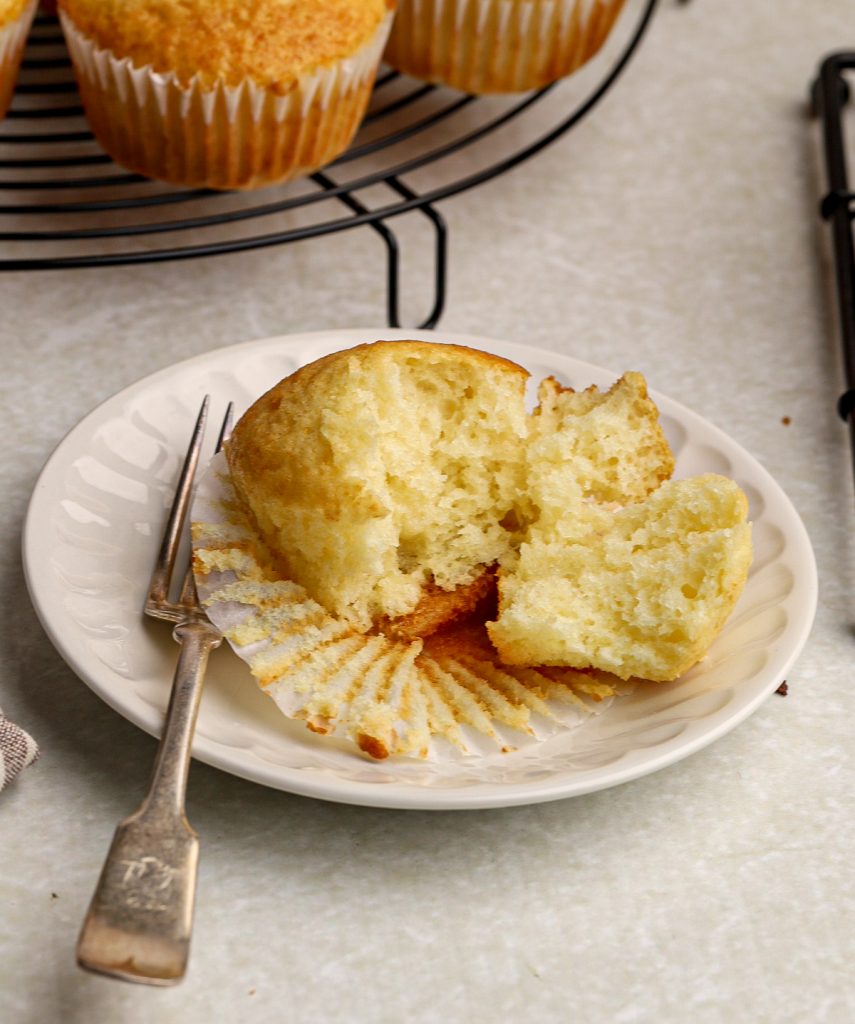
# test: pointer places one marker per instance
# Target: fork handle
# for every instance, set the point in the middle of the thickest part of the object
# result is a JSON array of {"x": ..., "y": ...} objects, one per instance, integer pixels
[
  {"x": 168, "y": 786},
  {"x": 139, "y": 921}
]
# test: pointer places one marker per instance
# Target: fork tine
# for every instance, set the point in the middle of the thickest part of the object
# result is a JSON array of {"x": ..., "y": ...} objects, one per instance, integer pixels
[
  {"x": 188, "y": 598},
  {"x": 226, "y": 428},
  {"x": 158, "y": 590}
]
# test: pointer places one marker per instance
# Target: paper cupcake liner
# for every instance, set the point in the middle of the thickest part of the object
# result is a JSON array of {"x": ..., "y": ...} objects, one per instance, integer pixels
[
  {"x": 13, "y": 39},
  {"x": 486, "y": 46},
  {"x": 442, "y": 697},
  {"x": 230, "y": 137}
]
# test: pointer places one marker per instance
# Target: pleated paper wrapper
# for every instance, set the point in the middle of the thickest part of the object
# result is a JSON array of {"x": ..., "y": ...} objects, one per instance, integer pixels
[
  {"x": 220, "y": 136},
  {"x": 487, "y": 46},
  {"x": 442, "y": 697}
]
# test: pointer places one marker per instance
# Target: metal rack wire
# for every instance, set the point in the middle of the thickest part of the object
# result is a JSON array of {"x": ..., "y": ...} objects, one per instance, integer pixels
[
  {"x": 829, "y": 97},
  {"x": 85, "y": 211}
]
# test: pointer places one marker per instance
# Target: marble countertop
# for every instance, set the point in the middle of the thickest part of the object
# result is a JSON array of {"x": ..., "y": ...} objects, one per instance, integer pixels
[{"x": 675, "y": 232}]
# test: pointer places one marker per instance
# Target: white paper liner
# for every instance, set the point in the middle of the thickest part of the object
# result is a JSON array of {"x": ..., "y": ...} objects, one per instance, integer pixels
[
  {"x": 13, "y": 38},
  {"x": 486, "y": 46},
  {"x": 222, "y": 136},
  {"x": 433, "y": 699}
]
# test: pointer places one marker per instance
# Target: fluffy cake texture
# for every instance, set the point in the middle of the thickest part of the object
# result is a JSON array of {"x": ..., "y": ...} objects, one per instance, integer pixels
[
  {"x": 380, "y": 471},
  {"x": 394, "y": 481},
  {"x": 619, "y": 568},
  {"x": 589, "y": 446},
  {"x": 270, "y": 42},
  {"x": 638, "y": 591}
]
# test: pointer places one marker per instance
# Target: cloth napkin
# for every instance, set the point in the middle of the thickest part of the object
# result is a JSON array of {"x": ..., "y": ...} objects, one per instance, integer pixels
[{"x": 17, "y": 750}]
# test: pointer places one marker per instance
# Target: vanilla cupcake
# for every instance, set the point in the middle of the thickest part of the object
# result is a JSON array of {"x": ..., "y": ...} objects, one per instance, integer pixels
[
  {"x": 489, "y": 46},
  {"x": 15, "y": 19},
  {"x": 222, "y": 93},
  {"x": 408, "y": 560},
  {"x": 381, "y": 476}
]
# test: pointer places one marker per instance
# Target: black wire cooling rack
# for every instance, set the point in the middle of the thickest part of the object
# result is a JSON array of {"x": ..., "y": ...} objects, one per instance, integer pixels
[
  {"x": 830, "y": 95},
  {"x": 69, "y": 206}
]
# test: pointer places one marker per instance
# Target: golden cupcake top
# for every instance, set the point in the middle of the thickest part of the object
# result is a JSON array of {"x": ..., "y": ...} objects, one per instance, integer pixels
[
  {"x": 270, "y": 42},
  {"x": 11, "y": 10}
]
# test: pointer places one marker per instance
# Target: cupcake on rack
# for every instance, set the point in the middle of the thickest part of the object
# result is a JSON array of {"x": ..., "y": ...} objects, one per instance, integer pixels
[
  {"x": 222, "y": 93},
  {"x": 15, "y": 19},
  {"x": 494, "y": 46}
]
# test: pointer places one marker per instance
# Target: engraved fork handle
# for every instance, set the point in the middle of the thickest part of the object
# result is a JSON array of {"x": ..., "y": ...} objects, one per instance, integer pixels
[{"x": 140, "y": 918}]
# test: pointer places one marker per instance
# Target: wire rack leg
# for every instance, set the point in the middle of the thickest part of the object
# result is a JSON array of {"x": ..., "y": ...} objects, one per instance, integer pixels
[
  {"x": 393, "y": 251},
  {"x": 829, "y": 96}
]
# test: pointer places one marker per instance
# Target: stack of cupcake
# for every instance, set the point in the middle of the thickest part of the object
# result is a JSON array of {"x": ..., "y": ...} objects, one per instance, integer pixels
[{"x": 230, "y": 94}]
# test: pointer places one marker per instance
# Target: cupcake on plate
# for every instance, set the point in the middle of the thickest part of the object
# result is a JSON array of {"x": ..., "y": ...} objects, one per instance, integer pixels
[
  {"x": 15, "y": 19},
  {"x": 224, "y": 93},
  {"x": 488, "y": 46}
]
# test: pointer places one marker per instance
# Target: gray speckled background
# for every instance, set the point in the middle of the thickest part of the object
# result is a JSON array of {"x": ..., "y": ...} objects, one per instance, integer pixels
[{"x": 675, "y": 232}]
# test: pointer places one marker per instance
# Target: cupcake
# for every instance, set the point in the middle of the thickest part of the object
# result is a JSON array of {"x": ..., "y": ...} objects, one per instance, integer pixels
[
  {"x": 398, "y": 549},
  {"x": 15, "y": 19},
  {"x": 488, "y": 46},
  {"x": 222, "y": 93},
  {"x": 381, "y": 476}
]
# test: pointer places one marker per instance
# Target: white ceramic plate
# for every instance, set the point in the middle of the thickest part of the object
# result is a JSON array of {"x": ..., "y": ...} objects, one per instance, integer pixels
[{"x": 90, "y": 540}]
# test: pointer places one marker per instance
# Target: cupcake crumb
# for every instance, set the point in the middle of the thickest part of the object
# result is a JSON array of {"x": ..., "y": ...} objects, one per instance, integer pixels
[{"x": 783, "y": 689}]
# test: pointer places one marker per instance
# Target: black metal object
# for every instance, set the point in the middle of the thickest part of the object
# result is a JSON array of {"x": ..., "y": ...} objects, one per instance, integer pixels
[
  {"x": 82, "y": 203},
  {"x": 829, "y": 97}
]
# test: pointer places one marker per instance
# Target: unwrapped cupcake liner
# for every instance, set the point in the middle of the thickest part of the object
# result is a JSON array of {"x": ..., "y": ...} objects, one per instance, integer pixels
[
  {"x": 488, "y": 46},
  {"x": 228, "y": 137},
  {"x": 442, "y": 697},
  {"x": 13, "y": 39}
]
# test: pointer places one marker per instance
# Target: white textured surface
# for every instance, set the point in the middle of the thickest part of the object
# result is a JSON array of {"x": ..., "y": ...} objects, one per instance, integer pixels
[{"x": 674, "y": 232}]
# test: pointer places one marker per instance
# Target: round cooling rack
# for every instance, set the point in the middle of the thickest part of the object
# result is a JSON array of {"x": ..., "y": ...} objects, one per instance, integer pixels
[{"x": 65, "y": 204}]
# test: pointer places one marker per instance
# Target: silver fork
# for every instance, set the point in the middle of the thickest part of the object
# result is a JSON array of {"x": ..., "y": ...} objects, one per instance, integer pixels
[{"x": 139, "y": 921}]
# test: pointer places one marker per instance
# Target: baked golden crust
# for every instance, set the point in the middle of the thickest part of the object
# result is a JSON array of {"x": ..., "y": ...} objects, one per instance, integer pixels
[
  {"x": 439, "y": 608},
  {"x": 269, "y": 42},
  {"x": 247, "y": 451}
]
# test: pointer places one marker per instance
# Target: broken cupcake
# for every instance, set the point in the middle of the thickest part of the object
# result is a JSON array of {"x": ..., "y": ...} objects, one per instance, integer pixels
[{"x": 405, "y": 556}]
